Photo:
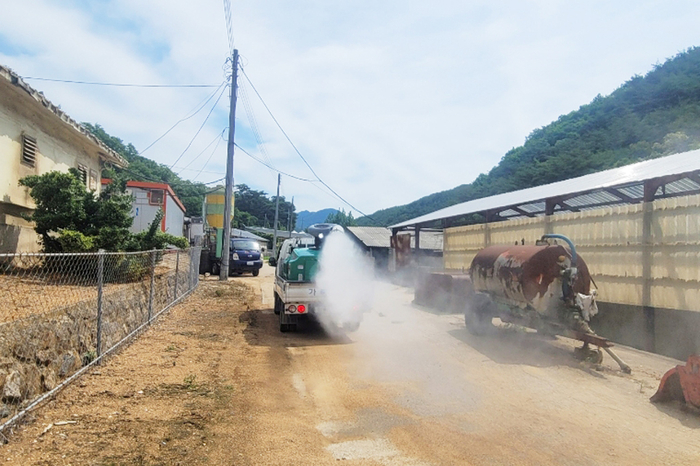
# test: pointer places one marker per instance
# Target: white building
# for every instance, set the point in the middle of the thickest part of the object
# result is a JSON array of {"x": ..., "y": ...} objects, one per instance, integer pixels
[
  {"x": 37, "y": 137},
  {"x": 149, "y": 198}
]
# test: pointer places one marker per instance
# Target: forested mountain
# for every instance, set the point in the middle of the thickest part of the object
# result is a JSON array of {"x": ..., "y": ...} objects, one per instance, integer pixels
[
  {"x": 305, "y": 218},
  {"x": 252, "y": 208},
  {"x": 647, "y": 117},
  {"x": 144, "y": 169}
]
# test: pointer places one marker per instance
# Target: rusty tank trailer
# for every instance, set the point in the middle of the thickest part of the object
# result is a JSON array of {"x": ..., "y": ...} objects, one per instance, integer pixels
[{"x": 545, "y": 286}]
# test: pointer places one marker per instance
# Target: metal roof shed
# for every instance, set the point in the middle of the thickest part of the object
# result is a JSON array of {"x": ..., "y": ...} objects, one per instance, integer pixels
[{"x": 669, "y": 176}]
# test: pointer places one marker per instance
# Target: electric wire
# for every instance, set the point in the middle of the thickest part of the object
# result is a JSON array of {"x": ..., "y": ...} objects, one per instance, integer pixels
[
  {"x": 218, "y": 141},
  {"x": 271, "y": 167},
  {"x": 215, "y": 181},
  {"x": 200, "y": 128},
  {"x": 193, "y": 111},
  {"x": 253, "y": 123},
  {"x": 219, "y": 172},
  {"x": 216, "y": 138},
  {"x": 229, "y": 24},
  {"x": 91, "y": 83},
  {"x": 297, "y": 150}
]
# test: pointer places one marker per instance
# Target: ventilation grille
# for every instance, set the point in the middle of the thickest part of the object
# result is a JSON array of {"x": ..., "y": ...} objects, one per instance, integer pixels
[
  {"x": 83, "y": 173},
  {"x": 28, "y": 150}
]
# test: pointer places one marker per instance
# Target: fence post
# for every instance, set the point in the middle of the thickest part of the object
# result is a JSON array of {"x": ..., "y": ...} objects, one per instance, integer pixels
[
  {"x": 100, "y": 286},
  {"x": 153, "y": 277},
  {"x": 177, "y": 267}
]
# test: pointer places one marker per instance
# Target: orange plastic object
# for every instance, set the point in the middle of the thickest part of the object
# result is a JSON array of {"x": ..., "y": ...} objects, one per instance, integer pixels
[{"x": 681, "y": 383}]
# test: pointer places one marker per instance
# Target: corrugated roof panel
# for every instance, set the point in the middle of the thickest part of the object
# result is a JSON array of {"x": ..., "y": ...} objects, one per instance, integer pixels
[
  {"x": 533, "y": 208},
  {"x": 635, "y": 191},
  {"x": 681, "y": 186},
  {"x": 598, "y": 198},
  {"x": 372, "y": 237},
  {"x": 665, "y": 166},
  {"x": 509, "y": 213}
]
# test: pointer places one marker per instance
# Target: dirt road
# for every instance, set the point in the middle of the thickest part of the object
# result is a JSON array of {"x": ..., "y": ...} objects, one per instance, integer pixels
[{"x": 214, "y": 382}]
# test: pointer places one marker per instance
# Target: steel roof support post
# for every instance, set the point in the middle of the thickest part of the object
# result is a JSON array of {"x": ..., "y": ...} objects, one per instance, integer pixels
[
  {"x": 650, "y": 188},
  {"x": 549, "y": 206}
]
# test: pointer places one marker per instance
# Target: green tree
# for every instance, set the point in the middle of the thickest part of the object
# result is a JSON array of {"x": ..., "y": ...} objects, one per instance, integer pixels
[
  {"x": 341, "y": 218},
  {"x": 64, "y": 205},
  {"x": 143, "y": 169},
  {"x": 69, "y": 218}
]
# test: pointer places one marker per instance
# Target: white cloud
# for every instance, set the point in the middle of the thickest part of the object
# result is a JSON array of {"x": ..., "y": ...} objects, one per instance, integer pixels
[{"x": 388, "y": 101}]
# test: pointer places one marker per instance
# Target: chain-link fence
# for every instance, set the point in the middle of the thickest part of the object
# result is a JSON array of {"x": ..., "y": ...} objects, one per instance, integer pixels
[{"x": 60, "y": 313}]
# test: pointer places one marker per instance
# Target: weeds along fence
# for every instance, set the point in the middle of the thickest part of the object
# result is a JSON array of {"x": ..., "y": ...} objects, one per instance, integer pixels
[{"x": 61, "y": 313}]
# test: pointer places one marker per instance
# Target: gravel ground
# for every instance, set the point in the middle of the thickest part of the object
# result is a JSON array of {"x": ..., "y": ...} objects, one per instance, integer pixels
[{"x": 214, "y": 382}]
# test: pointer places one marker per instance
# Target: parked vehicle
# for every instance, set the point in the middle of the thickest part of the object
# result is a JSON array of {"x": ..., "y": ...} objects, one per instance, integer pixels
[
  {"x": 546, "y": 287},
  {"x": 245, "y": 255}
]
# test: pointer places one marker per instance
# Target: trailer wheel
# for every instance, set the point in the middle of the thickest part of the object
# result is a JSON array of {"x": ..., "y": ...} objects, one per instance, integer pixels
[{"x": 479, "y": 313}]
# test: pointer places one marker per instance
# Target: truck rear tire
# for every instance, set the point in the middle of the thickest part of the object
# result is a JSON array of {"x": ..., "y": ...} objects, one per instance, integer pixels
[
  {"x": 479, "y": 313},
  {"x": 278, "y": 304}
]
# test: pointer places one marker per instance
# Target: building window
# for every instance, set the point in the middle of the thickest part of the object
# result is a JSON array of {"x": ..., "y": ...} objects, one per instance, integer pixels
[
  {"x": 83, "y": 173},
  {"x": 28, "y": 150},
  {"x": 155, "y": 196}
]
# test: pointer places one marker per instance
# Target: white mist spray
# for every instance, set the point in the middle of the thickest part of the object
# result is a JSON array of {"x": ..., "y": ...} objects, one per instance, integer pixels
[{"x": 345, "y": 276}]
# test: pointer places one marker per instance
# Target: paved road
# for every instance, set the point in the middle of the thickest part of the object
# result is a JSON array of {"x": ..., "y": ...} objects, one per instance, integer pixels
[{"x": 214, "y": 382}]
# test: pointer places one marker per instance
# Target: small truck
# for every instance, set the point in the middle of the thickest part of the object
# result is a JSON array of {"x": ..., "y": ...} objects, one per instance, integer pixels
[{"x": 297, "y": 295}]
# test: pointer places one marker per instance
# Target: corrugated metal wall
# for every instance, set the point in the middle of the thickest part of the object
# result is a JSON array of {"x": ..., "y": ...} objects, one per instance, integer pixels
[{"x": 612, "y": 241}]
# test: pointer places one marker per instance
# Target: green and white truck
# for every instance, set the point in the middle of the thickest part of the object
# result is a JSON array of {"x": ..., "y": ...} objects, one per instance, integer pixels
[{"x": 298, "y": 295}]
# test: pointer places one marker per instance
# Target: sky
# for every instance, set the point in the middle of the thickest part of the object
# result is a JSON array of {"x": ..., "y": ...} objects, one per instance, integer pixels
[{"x": 387, "y": 101}]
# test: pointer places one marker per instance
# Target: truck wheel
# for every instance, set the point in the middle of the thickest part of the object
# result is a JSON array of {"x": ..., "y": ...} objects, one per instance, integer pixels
[
  {"x": 256, "y": 272},
  {"x": 478, "y": 314},
  {"x": 278, "y": 306},
  {"x": 215, "y": 269},
  {"x": 284, "y": 328}
]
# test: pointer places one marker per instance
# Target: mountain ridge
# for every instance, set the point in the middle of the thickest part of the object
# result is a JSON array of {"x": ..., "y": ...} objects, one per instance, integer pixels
[{"x": 646, "y": 117}]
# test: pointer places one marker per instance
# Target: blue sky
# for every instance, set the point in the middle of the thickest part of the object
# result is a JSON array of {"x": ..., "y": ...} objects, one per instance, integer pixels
[{"x": 388, "y": 101}]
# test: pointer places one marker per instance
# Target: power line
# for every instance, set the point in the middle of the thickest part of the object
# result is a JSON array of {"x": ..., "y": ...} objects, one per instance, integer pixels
[
  {"x": 89, "y": 83},
  {"x": 216, "y": 138},
  {"x": 197, "y": 170},
  {"x": 205, "y": 102},
  {"x": 254, "y": 124},
  {"x": 200, "y": 128},
  {"x": 229, "y": 24},
  {"x": 271, "y": 167},
  {"x": 297, "y": 150},
  {"x": 210, "y": 155},
  {"x": 215, "y": 181}
]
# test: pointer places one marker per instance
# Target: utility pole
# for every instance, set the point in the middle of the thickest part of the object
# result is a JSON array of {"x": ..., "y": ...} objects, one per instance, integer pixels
[
  {"x": 228, "y": 208},
  {"x": 277, "y": 208},
  {"x": 289, "y": 218}
]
